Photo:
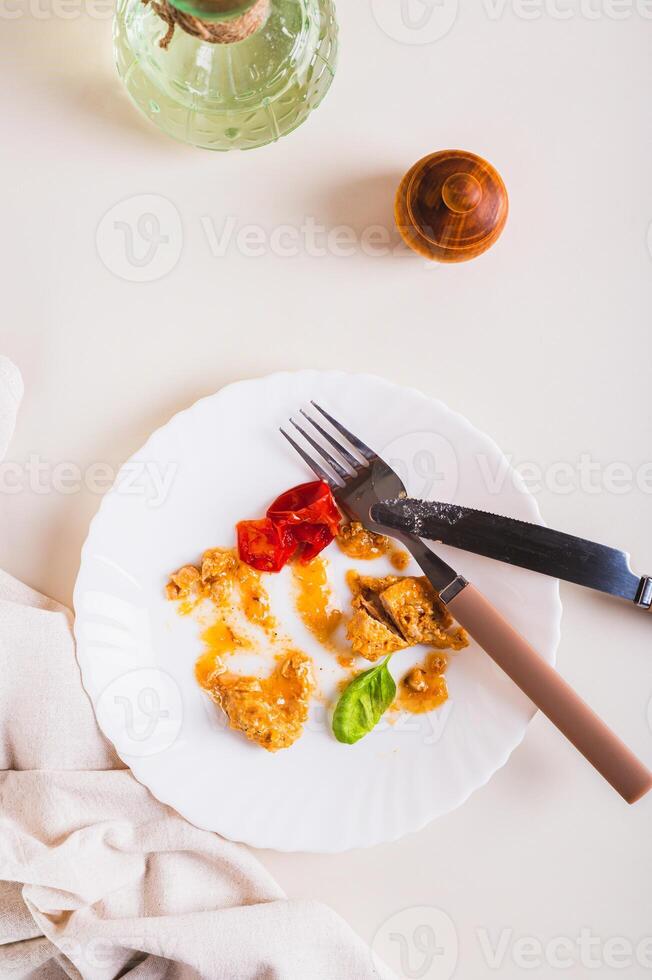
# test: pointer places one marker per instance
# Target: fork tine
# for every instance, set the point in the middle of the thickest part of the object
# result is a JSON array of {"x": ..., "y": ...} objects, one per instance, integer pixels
[
  {"x": 314, "y": 466},
  {"x": 363, "y": 449},
  {"x": 334, "y": 464},
  {"x": 352, "y": 460}
]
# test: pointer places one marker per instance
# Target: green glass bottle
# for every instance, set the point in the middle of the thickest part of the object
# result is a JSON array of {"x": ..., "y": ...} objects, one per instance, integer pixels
[{"x": 226, "y": 74}]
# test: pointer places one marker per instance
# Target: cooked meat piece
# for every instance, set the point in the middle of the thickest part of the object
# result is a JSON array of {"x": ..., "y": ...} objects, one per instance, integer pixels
[
  {"x": 271, "y": 710},
  {"x": 368, "y": 585},
  {"x": 437, "y": 663},
  {"x": 182, "y": 582},
  {"x": 420, "y": 678},
  {"x": 416, "y": 609},
  {"x": 394, "y": 612},
  {"x": 373, "y": 606},
  {"x": 366, "y": 594},
  {"x": 424, "y": 687},
  {"x": 416, "y": 680},
  {"x": 400, "y": 559},
  {"x": 357, "y": 542},
  {"x": 371, "y": 633},
  {"x": 372, "y": 638},
  {"x": 218, "y": 569},
  {"x": 218, "y": 563}
]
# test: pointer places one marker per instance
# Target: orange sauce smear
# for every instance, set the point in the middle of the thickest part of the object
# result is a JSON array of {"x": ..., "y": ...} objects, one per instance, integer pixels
[
  {"x": 424, "y": 687},
  {"x": 268, "y": 710},
  {"x": 254, "y": 599},
  {"x": 220, "y": 640},
  {"x": 313, "y": 600},
  {"x": 231, "y": 587}
]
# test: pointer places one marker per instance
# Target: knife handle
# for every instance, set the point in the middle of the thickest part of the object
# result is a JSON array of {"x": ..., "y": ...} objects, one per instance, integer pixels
[{"x": 551, "y": 694}]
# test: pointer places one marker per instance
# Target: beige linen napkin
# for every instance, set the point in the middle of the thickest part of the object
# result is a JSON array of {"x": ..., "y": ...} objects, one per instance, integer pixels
[{"x": 99, "y": 880}]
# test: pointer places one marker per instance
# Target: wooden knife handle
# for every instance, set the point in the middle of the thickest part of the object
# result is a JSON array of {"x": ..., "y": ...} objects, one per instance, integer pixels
[{"x": 551, "y": 694}]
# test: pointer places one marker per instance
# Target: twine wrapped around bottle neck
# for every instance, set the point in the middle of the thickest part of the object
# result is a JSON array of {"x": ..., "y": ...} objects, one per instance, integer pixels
[{"x": 216, "y": 32}]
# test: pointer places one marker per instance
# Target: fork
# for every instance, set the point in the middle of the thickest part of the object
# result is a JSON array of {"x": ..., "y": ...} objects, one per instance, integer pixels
[{"x": 358, "y": 479}]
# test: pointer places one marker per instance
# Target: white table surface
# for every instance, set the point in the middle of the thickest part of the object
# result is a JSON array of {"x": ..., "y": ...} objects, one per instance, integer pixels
[{"x": 544, "y": 342}]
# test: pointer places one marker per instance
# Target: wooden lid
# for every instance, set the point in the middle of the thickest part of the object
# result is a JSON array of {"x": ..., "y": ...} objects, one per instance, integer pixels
[{"x": 451, "y": 206}]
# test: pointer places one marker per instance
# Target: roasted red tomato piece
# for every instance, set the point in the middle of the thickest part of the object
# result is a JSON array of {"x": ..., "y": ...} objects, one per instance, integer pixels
[
  {"x": 265, "y": 545},
  {"x": 309, "y": 503},
  {"x": 312, "y": 539}
]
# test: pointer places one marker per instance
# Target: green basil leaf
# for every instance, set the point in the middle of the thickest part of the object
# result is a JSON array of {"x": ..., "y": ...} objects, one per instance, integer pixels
[{"x": 363, "y": 703}]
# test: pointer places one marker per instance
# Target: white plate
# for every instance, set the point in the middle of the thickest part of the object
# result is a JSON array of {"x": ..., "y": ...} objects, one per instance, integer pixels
[{"x": 226, "y": 461}]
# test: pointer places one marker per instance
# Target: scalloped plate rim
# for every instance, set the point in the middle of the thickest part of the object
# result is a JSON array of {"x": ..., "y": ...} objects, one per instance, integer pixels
[{"x": 231, "y": 832}]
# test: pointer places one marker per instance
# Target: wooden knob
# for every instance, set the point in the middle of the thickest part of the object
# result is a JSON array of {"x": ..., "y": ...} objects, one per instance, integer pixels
[
  {"x": 461, "y": 193},
  {"x": 451, "y": 206}
]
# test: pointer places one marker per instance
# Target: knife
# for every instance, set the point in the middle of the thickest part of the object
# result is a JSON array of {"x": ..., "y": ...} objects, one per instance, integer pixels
[
  {"x": 515, "y": 542},
  {"x": 357, "y": 486}
]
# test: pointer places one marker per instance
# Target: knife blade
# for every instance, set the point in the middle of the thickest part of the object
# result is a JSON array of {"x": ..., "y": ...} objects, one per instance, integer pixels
[{"x": 516, "y": 542}]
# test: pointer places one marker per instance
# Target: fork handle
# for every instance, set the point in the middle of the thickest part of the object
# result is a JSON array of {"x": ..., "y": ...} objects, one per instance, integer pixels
[{"x": 551, "y": 694}]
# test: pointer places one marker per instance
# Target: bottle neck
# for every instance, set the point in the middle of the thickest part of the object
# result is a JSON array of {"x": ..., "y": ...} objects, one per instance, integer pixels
[
  {"x": 214, "y": 21},
  {"x": 214, "y": 11}
]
